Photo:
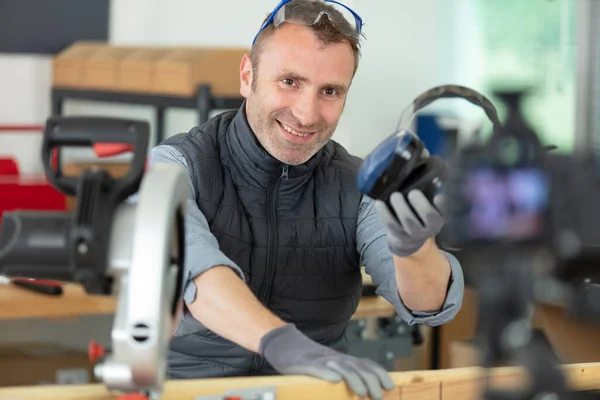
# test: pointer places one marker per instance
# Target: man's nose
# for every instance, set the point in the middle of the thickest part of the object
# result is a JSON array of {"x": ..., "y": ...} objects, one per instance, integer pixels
[{"x": 306, "y": 109}]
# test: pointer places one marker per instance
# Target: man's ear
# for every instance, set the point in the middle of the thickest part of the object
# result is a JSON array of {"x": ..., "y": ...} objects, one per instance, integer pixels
[{"x": 246, "y": 76}]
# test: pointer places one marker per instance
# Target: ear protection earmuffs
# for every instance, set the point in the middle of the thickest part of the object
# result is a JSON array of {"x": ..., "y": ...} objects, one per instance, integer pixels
[{"x": 401, "y": 163}]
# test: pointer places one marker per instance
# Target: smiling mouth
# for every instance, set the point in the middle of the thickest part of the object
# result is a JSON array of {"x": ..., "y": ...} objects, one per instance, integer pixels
[{"x": 293, "y": 131}]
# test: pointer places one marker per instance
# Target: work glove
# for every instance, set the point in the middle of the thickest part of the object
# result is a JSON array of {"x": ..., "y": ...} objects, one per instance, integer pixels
[
  {"x": 407, "y": 230},
  {"x": 290, "y": 352}
]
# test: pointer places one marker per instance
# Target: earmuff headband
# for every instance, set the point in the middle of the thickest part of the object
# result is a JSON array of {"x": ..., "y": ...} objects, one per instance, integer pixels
[{"x": 456, "y": 91}]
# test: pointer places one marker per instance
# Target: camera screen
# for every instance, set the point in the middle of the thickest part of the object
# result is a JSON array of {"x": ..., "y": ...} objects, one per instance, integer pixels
[{"x": 505, "y": 205}]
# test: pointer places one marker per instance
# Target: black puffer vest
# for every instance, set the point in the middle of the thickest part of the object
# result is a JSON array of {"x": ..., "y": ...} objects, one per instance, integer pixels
[{"x": 291, "y": 229}]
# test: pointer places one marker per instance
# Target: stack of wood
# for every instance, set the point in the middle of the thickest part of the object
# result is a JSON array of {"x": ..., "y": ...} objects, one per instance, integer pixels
[{"x": 173, "y": 71}]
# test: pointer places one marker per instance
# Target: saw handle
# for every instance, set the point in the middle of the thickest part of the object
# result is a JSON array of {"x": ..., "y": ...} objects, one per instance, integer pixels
[{"x": 104, "y": 135}]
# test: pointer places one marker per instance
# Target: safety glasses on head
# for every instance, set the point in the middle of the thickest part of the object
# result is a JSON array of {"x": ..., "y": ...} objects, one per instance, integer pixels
[{"x": 309, "y": 12}]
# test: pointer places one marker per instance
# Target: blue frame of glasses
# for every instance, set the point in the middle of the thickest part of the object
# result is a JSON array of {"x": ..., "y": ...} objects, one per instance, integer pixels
[{"x": 284, "y": 2}]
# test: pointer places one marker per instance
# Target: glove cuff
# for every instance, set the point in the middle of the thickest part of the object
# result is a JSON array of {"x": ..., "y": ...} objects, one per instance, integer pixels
[
  {"x": 281, "y": 334},
  {"x": 406, "y": 251}
]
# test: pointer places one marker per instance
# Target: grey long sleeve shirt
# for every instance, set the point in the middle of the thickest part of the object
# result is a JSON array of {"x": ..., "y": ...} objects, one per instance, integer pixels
[{"x": 371, "y": 240}]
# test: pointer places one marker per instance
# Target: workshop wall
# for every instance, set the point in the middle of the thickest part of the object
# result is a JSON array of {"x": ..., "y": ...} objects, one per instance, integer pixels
[
  {"x": 24, "y": 100},
  {"x": 410, "y": 46}
]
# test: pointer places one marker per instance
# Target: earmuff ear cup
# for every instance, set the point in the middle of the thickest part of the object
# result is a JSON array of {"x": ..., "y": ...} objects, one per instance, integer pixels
[
  {"x": 427, "y": 176},
  {"x": 399, "y": 170}
]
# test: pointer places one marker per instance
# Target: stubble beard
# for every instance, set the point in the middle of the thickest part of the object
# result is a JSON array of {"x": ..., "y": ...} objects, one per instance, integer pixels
[{"x": 268, "y": 133}]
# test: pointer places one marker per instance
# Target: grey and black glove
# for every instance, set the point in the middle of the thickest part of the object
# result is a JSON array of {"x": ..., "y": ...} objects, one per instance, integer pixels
[
  {"x": 290, "y": 352},
  {"x": 407, "y": 231}
]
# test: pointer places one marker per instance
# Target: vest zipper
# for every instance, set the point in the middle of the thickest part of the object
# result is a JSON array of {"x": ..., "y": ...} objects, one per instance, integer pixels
[
  {"x": 265, "y": 292},
  {"x": 272, "y": 236},
  {"x": 284, "y": 172}
]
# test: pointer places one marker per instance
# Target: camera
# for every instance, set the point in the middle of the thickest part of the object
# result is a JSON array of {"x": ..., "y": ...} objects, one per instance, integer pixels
[
  {"x": 511, "y": 193},
  {"x": 492, "y": 204},
  {"x": 522, "y": 219}
]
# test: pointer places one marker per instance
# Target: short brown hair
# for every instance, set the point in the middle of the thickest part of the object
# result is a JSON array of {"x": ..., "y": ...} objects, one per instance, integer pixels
[{"x": 325, "y": 30}]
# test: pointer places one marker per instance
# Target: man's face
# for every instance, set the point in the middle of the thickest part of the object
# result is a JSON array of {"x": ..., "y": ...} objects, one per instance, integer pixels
[{"x": 299, "y": 92}]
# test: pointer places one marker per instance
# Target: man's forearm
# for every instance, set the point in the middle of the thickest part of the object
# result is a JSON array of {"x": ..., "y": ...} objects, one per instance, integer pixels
[
  {"x": 423, "y": 278},
  {"x": 226, "y": 306}
]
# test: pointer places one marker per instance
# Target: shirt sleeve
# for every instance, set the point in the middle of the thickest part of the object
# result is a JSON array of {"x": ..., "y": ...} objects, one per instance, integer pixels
[
  {"x": 376, "y": 256},
  {"x": 201, "y": 246}
]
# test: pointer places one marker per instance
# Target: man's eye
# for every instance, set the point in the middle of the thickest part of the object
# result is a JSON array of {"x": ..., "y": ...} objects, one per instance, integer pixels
[
  {"x": 288, "y": 82},
  {"x": 330, "y": 92}
]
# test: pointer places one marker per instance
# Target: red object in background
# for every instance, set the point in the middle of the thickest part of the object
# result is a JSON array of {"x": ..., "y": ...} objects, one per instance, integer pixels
[
  {"x": 26, "y": 193},
  {"x": 17, "y": 193},
  {"x": 103, "y": 150},
  {"x": 20, "y": 193},
  {"x": 95, "y": 351},
  {"x": 21, "y": 128},
  {"x": 8, "y": 166},
  {"x": 132, "y": 396}
]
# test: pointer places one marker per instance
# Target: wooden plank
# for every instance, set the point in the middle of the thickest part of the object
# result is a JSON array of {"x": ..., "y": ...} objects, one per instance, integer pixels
[
  {"x": 374, "y": 307},
  {"x": 574, "y": 340},
  {"x": 462, "y": 389},
  {"x": 454, "y": 384},
  {"x": 394, "y": 394},
  {"x": 18, "y": 303},
  {"x": 421, "y": 390},
  {"x": 584, "y": 376}
]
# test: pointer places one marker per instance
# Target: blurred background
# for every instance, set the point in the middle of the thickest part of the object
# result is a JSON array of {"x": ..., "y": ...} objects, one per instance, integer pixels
[{"x": 410, "y": 46}]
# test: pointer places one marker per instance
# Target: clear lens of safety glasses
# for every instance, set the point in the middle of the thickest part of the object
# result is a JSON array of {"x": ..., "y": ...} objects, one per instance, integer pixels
[{"x": 341, "y": 17}]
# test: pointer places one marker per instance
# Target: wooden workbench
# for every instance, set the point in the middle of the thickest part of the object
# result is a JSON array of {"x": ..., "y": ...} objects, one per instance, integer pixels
[
  {"x": 451, "y": 384},
  {"x": 17, "y": 303}
]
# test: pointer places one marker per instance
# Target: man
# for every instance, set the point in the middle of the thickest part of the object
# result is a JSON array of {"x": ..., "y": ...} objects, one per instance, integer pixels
[{"x": 276, "y": 228}]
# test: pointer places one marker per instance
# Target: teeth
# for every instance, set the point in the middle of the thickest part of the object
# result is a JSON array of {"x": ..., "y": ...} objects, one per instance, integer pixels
[{"x": 293, "y": 132}]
